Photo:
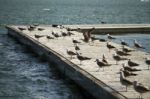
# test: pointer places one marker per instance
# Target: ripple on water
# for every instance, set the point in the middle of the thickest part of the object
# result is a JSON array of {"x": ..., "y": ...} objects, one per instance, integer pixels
[{"x": 23, "y": 76}]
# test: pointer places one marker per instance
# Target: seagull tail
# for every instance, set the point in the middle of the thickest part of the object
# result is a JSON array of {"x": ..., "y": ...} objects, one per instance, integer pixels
[{"x": 87, "y": 58}]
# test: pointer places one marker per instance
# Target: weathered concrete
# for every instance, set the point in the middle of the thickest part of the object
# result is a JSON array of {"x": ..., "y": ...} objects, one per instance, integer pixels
[
  {"x": 113, "y": 28},
  {"x": 102, "y": 84}
]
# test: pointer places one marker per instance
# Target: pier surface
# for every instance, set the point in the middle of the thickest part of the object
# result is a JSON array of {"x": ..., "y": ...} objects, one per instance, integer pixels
[
  {"x": 108, "y": 79},
  {"x": 113, "y": 28}
]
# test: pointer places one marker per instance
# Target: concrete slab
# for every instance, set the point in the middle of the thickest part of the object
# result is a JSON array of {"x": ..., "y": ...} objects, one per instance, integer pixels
[{"x": 110, "y": 76}]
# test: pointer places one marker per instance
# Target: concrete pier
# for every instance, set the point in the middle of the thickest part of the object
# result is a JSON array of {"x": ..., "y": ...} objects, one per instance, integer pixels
[
  {"x": 113, "y": 28},
  {"x": 102, "y": 84}
]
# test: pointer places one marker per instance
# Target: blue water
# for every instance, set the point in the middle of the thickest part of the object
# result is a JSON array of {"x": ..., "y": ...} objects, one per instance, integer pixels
[
  {"x": 23, "y": 75},
  {"x": 74, "y": 11}
]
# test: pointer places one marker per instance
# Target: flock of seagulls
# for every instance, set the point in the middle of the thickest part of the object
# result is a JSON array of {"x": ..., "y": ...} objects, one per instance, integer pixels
[{"x": 125, "y": 71}]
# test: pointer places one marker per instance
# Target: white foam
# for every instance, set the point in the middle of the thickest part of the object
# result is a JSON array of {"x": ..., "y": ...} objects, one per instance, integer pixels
[
  {"x": 46, "y": 9},
  {"x": 144, "y": 0}
]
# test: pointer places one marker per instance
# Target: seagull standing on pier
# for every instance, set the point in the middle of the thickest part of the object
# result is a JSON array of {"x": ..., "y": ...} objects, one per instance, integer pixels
[
  {"x": 82, "y": 58},
  {"x": 31, "y": 28},
  {"x": 132, "y": 64},
  {"x": 21, "y": 28},
  {"x": 110, "y": 37},
  {"x": 104, "y": 59},
  {"x": 130, "y": 68},
  {"x": 41, "y": 29},
  {"x": 118, "y": 58},
  {"x": 147, "y": 61},
  {"x": 55, "y": 35},
  {"x": 121, "y": 53},
  {"x": 75, "y": 42},
  {"x": 124, "y": 81},
  {"x": 128, "y": 73},
  {"x": 86, "y": 38},
  {"x": 126, "y": 50},
  {"x": 49, "y": 37},
  {"x": 109, "y": 46},
  {"x": 64, "y": 34},
  {"x": 137, "y": 45},
  {"x": 124, "y": 43},
  {"x": 69, "y": 33},
  {"x": 38, "y": 36},
  {"x": 87, "y": 35},
  {"x": 89, "y": 32},
  {"x": 77, "y": 48},
  {"x": 101, "y": 64},
  {"x": 102, "y": 40},
  {"x": 140, "y": 88},
  {"x": 71, "y": 53}
]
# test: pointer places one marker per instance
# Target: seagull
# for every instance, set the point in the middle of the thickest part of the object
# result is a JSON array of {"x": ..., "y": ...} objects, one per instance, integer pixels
[
  {"x": 103, "y": 56},
  {"x": 55, "y": 34},
  {"x": 77, "y": 48},
  {"x": 89, "y": 32},
  {"x": 110, "y": 37},
  {"x": 38, "y": 36},
  {"x": 124, "y": 81},
  {"x": 86, "y": 37},
  {"x": 102, "y": 22},
  {"x": 121, "y": 53},
  {"x": 64, "y": 34},
  {"x": 118, "y": 58},
  {"x": 71, "y": 53},
  {"x": 132, "y": 64},
  {"x": 130, "y": 68},
  {"x": 31, "y": 28},
  {"x": 127, "y": 73},
  {"x": 102, "y": 40},
  {"x": 101, "y": 64},
  {"x": 140, "y": 88},
  {"x": 21, "y": 28},
  {"x": 137, "y": 45},
  {"x": 109, "y": 46},
  {"x": 104, "y": 59},
  {"x": 49, "y": 37},
  {"x": 75, "y": 42},
  {"x": 69, "y": 33},
  {"x": 82, "y": 58},
  {"x": 126, "y": 49},
  {"x": 147, "y": 61},
  {"x": 41, "y": 29},
  {"x": 124, "y": 43}
]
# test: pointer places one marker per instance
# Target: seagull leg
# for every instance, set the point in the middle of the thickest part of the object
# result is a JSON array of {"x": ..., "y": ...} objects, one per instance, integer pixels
[
  {"x": 141, "y": 96},
  {"x": 71, "y": 56},
  {"x": 80, "y": 62},
  {"x": 98, "y": 69},
  {"x": 116, "y": 62},
  {"x": 126, "y": 88}
]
